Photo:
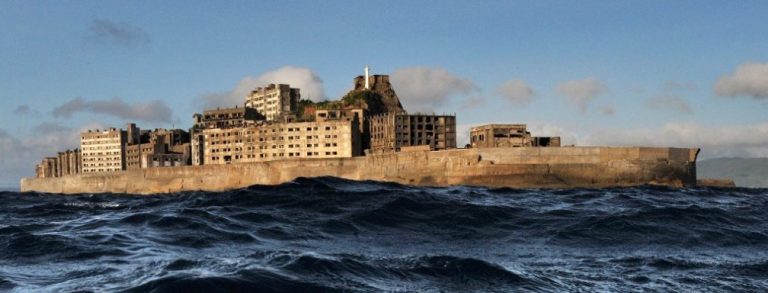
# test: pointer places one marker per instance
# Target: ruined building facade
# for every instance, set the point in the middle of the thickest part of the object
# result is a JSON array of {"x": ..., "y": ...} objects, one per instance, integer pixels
[
  {"x": 273, "y": 101},
  {"x": 228, "y": 117},
  {"x": 391, "y": 132},
  {"x": 508, "y": 135},
  {"x": 157, "y": 148}
]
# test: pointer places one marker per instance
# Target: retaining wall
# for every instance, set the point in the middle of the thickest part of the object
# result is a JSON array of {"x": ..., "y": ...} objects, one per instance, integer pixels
[{"x": 555, "y": 167}]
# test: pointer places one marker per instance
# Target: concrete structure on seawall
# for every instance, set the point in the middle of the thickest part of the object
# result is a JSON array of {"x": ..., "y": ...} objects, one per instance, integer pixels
[{"x": 522, "y": 167}]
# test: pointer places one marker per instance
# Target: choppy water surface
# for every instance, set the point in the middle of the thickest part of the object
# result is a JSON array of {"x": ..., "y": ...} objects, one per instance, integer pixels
[{"x": 334, "y": 235}]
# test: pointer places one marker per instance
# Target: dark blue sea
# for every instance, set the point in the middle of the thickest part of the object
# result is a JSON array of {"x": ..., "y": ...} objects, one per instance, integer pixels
[{"x": 328, "y": 234}]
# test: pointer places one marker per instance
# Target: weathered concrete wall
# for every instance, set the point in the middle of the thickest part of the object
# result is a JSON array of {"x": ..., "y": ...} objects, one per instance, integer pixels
[{"x": 492, "y": 167}]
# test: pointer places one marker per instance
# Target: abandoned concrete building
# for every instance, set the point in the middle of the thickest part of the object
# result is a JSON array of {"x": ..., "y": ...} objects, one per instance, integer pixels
[
  {"x": 47, "y": 168},
  {"x": 63, "y": 164},
  {"x": 508, "y": 135},
  {"x": 267, "y": 141},
  {"x": 369, "y": 119},
  {"x": 103, "y": 151},
  {"x": 68, "y": 162},
  {"x": 228, "y": 117},
  {"x": 217, "y": 118},
  {"x": 273, "y": 100},
  {"x": 391, "y": 132},
  {"x": 157, "y": 148}
]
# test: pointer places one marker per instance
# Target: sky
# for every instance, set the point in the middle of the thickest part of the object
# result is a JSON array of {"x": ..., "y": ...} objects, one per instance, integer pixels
[{"x": 647, "y": 73}]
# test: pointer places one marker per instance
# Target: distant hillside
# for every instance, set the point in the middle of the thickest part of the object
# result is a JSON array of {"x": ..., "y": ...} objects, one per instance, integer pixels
[{"x": 746, "y": 172}]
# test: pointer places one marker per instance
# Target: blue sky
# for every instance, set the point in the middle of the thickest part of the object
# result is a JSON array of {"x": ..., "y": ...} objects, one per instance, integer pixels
[{"x": 677, "y": 73}]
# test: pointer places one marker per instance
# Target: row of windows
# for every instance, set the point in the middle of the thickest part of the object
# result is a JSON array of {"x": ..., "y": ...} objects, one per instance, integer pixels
[
  {"x": 101, "y": 155},
  {"x": 101, "y": 165},
  {"x": 116, "y": 135},
  {"x": 274, "y": 138},
  {"x": 263, "y": 131},
  {"x": 290, "y": 154},
  {"x": 102, "y": 147},
  {"x": 101, "y": 170},
  {"x": 274, "y": 146}
]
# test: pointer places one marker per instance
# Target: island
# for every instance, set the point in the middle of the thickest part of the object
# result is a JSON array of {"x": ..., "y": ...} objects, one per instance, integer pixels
[{"x": 275, "y": 137}]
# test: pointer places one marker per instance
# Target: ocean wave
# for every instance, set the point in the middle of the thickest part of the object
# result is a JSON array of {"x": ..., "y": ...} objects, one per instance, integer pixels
[{"x": 330, "y": 234}]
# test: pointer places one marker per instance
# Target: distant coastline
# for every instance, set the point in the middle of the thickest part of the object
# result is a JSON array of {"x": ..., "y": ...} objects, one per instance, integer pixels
[{"x": 746, "y": 172}]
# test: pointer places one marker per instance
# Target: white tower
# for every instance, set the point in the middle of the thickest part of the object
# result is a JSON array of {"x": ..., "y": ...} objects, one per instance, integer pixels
[{"x": 367, "y": 85}]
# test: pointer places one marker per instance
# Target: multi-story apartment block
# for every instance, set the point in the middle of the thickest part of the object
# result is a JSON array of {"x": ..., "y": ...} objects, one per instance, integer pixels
[
  {"x": 274, "y": 100},
  {"x": 392, "y": 131},
  {"x": 277, "y": 141},
  {"x": 103, "y": 151},
  {"x": 508, "y": 135}
]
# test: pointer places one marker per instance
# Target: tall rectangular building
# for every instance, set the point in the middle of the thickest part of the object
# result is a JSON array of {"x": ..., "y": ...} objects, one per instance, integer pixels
[
  {"x": 103, "y": 151},
  {"x": 392, "y": 131},
  {"x": 273, "y": 101}
]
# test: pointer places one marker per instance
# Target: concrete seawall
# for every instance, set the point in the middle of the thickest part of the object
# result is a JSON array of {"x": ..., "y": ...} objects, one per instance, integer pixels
[{"x": 559, "y": 167}]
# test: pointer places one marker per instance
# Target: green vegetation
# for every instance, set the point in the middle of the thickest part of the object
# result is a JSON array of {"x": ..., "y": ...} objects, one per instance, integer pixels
[{"x": 371, "y": 100}]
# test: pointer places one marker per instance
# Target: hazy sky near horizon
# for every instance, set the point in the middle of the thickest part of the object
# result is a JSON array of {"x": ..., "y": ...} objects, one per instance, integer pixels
[{"x": 655, "y": 73}]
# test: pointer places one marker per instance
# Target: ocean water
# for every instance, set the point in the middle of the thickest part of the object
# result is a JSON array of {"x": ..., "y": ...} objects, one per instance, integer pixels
[{"x": 328, "y": 234}]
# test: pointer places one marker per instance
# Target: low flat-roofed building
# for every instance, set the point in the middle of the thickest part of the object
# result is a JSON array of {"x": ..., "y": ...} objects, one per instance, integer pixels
[
  {"x": 546, "y": 141},
  {"x": 508, "y": 135},
  {"x": 391, "y": 132},
  {"x": 103, "y": 151},
  {"x": 228, "y": 117},
  {"x": 279, "y": 141},
  {"x": 164, "y": 160},
  {"x": 135, "y": 153},
  {"x": 359, "y": 114}
]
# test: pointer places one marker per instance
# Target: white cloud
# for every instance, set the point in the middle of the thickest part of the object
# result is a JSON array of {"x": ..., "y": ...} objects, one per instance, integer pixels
[
  {"x": 516, "y": 92},
  {"x": 151, "y": 111},
  {"x": 750, "y": 79},
  {"x": 462, "y": 134},
  {"x": 105, "y": 31},
  {"x": 473, "y": 102},
  {"x": 567, "y": 137},
  {"x": 22, "y": 110},
  {"x": 25, "y": 152},
  {"x": 678, "y": 86},
  {"x": 423, "y": 89},
  {"x": 607, "y": 110},
  {"x": 309, "y": 84},
  {"x": 670, "y": 101},
  {"x": 582, "y": 92},
  {"x": 724, "y": 141}
]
